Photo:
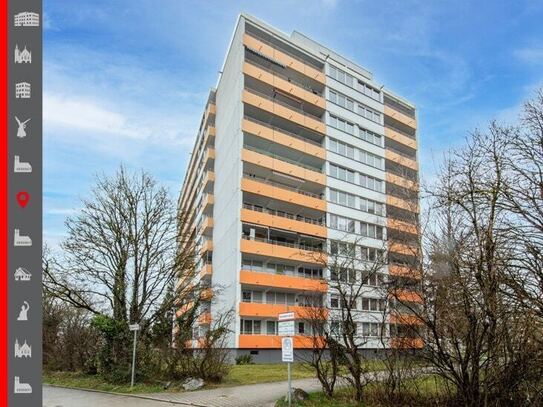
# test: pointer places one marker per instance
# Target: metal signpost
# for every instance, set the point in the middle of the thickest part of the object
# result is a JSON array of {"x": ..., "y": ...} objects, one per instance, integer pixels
[
  {"x": 286, "y": 329},
  {"x": 135, "y": 328}
]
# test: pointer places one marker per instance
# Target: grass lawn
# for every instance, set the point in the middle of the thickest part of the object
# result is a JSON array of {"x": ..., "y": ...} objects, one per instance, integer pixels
[
  {"x": 238, "y": 375},
  {"x": 426, "y": 387}
]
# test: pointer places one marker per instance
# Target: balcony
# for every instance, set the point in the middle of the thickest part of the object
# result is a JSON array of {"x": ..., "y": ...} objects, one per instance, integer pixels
[
  {"x": 205, "y": 318},
  {"x": 402, "y": 182},
  {"x": 272, "y": 342},
  {"x": 402, "y": 226},
  {"x": 253, "y": 309},
  {"x": 401, "y": 159},
  {"x": 283, "y": 58},
  {"x": 406, "y": 343},
  {"x": 207, "y": 246},
  {"x": 404, "y": 319},
  {"x": 263, "y": 187},
  {"x": 400, "y": 137},
  {"x": 283, "y": 83},
  {"x": 263, "y": 279},
  {"x": 400, "y": 117},
  {"x": 282, "y": 250},
  {"x": 283, "y": 137},
  {"x": 408, "y": 205},
  {"x": 209, "y": 136},
  {"x": 279, "y": 220},
  {"x": 206, "y": 226},
  {"x": 207, "y": 201},
  {"x": 283, "y": 110},
  {"x": 401, "y": 248},
  {"x": 291, "y": 168},
  {"x": 403, "y": 271},
  {"x": 206, "y": 271}
]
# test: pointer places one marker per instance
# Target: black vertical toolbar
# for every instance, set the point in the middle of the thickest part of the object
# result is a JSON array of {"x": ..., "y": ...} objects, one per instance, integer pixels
[{"x": 25, "y": 21}]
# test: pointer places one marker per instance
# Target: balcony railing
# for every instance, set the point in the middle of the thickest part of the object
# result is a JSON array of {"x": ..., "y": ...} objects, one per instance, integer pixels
[
  {"x": 412, "y": 136},
  {"x": 281, "y": 158},
  {"x": 299, "y": 246},
  {"x": 299, "y": 218},
  {"x": 283, "y": 186},
  {"x": 285, "y": 77},
  {"x": 284, "y": 104},
  {"x": 284, "y": 51},
  {"x": 281, "y": 130}
]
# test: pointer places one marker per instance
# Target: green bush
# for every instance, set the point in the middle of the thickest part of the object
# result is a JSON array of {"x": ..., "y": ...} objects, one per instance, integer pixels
[{"x": 246, "y": 359}]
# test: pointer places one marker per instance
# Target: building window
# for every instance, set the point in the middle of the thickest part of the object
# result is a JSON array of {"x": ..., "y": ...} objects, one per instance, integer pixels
[
  {"x": 370, "y": 137},
  {"x": 341, "y": 76},
  {"x": 341, "y": 124},
  {"x": 370, "y": 230},
  {"x": 369, "y": 114},
  {"x": 301, "y": 328},
  {"x": 341, "y": 100},
  {"x": 271, "y": 328},
  {"x": 373, "y": 207},
  {"x": 371, "y": 254},
  {"x": 371, "y": 329},
  {"x": 371, "y": 183},
  {"x": 341, "y": 148},
  {"x": 372, "y": 160},
  {"x": 341, "y": 223},
  {"x": 342, "y": 198},
  {"x": 341, "y": 173},
  {"x": 369, "y": 91},
  {"x": 250, "y": 327}
]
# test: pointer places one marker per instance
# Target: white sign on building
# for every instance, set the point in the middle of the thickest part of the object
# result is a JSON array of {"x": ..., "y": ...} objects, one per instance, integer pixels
[{"x": 285, "y": 328}]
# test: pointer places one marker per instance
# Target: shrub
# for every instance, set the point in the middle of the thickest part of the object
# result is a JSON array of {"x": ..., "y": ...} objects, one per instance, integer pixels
[{"x": 246, "y": 359}]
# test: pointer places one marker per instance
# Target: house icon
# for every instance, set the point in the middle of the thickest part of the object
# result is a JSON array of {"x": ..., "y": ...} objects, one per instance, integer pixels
[
  {"x": 22, "y": 274},
  {"x": 22, "y": 351}
]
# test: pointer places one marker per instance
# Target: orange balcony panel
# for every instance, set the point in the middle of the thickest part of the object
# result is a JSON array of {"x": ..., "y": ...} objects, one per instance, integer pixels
[
  {"x": 207, "y": 226},
  {"x": 407, "y": 343},
  {"x": 206, "y": 271},
  {"x": 206, "y": 294},
  {"x": 402, "y": 118},
  {"x": 252, "y": 309},
  {"x": 409, "y": 250},
  {"x": 205, "y": 318},
  {"x": 282, "y": 194},
  {"x": 411, "y": 206},
  {"x": 210, "y": 154},
  {"x": 283, "y": 139},
  {"x": 283, "y": 58},
  {"x": 209, "y": 134},
  {"x": 282, "y": 84},
  {"x": 402, "y": 182},
  {"x": 408, "y": 296},
  {"x": 209, "y": 177},
  {"x": 283, "y": 111},
  {"x": 275, "y": 164},
  {"x": 207, "y": 246},
  {"x": 260, "y": 218},
  {"x": 281, "y": 252},
  {"x": 404, "y": 319},
  {"x": 282, "y": 281},
  {"x": 400, "y": 138},
  {"x": 402, "y": 226},
  {"x": 208, "y": 200},
  {"x": 272, "y": 342},
  {"x": 400, "y": 159},
  {"x": 403, "y": 271}
]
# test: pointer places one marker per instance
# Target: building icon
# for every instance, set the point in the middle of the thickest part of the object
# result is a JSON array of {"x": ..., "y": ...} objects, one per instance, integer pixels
[
  {"x": 22, "y": 57},
  {"x": 20, "y": 387},
  {"x": 22, "y": 90},
  {"x": 27, "y": 19},
  {"x": 22, "y": 351},
  {"x": 22, "y": 274}
]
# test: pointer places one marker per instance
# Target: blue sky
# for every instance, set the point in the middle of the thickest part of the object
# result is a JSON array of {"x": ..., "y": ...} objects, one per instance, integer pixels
[{"x": 126, "y": 81}]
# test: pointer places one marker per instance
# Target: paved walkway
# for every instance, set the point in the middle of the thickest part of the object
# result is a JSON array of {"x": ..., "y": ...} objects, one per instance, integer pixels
[{"x": 261, "y": 394}]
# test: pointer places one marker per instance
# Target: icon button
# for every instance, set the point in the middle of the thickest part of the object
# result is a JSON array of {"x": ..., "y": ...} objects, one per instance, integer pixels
[
  {"x": 20, "y": 240},
  {"x": 23, "y": 314},
  {"x": 21, "y": 388},
  {"x": 23, "y": 198},
  {"x": 26, "y": 19},
  {"x": 22, "y": 56},
  {"x": 21, "y": 130},
  {"x": 22, "y": 274},
  {"x": 22, "y": 351},
  {"x": 22, "y": 90},
  {"x": 20, "y": 166}
]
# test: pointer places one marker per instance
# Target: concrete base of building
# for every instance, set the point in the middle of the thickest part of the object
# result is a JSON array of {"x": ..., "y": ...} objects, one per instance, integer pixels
[{"x": 300, "y": 355}]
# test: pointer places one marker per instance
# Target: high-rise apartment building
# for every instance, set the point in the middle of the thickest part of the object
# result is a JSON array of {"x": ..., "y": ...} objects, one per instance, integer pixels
[{"x": 299, "y": 151}]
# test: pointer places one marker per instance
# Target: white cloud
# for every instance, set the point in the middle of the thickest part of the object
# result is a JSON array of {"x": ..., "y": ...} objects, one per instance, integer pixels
[
  {"x": 530, "y": 55},
  {"x": 79, "y": 113}
]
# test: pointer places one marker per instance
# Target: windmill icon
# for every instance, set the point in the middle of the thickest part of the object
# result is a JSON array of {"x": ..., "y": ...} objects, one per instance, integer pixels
[{"x": 21, "y": 131}]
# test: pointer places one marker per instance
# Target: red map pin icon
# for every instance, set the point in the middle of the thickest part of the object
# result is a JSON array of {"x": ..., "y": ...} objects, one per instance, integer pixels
[{"x": 22, "y": 198}]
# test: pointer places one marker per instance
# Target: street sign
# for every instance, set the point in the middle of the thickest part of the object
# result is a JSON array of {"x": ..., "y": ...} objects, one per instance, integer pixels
[
  {"x": 285, "y": 316},
  {"x": 285, "y": 328},
  {"x": 287, "y": 349},
  {"x": 134, "y": 327}
]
